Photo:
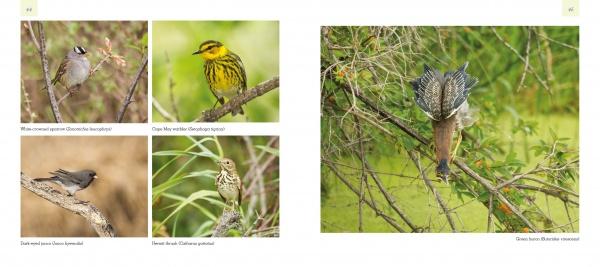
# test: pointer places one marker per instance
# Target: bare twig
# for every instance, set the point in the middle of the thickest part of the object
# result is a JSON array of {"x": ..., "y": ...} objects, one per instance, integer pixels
[
  {"x": 260, "y": 168},
  {"x": 398, "y": 123},
  {"x": 387, "y": 116},
  {"x": 255, "y": 172},
  {"x": 97, "y": 67},
  {"x": 84, "y": 209},
  {"x": 378, "y": 172},
  {"x": 32, "y": 35},
  {"x": 569, "y": 216},
  {"x": 171, "y": 86},
  {"x": 265, "y": 232},
  {"x": 390, "y": 199},
  {"x": 544, "y": 36},
  {"x": 253, "y": 226},
  {"x": 162, "y": 111},
  {"x": 529, "y": 30},
  {"x": 47, "y": 79},
  {"x": 27, "y": 103},
  {"x": 437, "y": 195},
  {"x": 540, "y": 80},
  {"x": 548, "y": 191},
  {"x": 371, "y": 204},
  {"x": 488, "y": 186},
  {"x": 132, "y": 87},
  {"x": 363, "y": 175},
  {"x": 490, "y": 220},
  {"x": 212, "y": 115}
]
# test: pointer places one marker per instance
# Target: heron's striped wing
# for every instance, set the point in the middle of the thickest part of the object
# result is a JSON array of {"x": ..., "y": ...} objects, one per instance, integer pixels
[
  {"x": 456, "y": 90},
  {"x": 428, "y": 92}
]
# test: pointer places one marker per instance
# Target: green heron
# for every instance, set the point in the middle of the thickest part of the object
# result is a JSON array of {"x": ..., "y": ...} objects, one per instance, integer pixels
[{"x": 444, "y": 99}]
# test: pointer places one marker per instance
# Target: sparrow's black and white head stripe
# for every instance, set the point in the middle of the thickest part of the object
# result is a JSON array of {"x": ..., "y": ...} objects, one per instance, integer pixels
[{"x": 79, "y": 50}]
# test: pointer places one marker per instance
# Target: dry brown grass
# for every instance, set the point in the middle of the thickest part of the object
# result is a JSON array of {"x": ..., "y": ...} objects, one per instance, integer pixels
[{"x": 121, "y": 192}]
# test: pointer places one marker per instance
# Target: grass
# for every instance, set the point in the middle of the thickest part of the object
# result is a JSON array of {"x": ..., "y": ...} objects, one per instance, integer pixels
[{"x": 185, "y": 202}]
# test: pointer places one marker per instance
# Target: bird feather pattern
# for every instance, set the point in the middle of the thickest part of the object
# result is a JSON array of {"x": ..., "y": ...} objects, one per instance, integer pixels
[
  {"x": 439, "y": 96},
  {"x": 428, "y": 92}
]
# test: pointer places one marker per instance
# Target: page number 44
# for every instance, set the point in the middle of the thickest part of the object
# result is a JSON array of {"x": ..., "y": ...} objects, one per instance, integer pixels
[{"x": 29, "y": 8}]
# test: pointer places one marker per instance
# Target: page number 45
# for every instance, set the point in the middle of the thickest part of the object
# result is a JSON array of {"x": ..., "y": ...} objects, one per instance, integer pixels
[{"x": 570, "y": 8}]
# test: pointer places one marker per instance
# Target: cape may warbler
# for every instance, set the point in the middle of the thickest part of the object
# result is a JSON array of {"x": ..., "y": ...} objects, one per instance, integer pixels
[{"x": 224, "y": 72}]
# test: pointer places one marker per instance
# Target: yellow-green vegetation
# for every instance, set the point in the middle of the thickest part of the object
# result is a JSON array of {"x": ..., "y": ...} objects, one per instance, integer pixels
[
  {"x": 185, "y": 202},
  {"x": 122, "y": 44},
  {"x": 527, "y": 130},
  {"x": 179, "y": 85}
]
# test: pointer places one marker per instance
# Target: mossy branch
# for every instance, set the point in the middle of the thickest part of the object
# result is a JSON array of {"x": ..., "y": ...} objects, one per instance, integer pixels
[{"x": 229, "y": 220}]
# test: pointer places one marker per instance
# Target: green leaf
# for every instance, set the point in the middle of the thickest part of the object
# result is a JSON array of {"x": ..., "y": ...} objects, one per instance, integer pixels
[
  {"x": 199, "y": 195},
  {"x": 205, "y": 229}
]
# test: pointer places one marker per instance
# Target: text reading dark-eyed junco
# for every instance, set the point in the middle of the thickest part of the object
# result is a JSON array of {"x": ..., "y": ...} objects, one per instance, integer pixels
[{"x": 71, "y": 181}]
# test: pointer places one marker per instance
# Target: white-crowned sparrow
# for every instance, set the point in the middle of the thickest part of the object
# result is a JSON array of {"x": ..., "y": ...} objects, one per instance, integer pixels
[{"x": 73, "y": 70}]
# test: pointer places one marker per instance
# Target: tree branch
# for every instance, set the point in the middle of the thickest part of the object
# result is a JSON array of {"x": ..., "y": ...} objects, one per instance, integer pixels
[
  {"x": 437, "y": 195},
  {"x": 399, "y": 124},
  {"x": 390, "y": 199},
  {"x": 371, "y": 203},
  {"x": 132, "y": 87},
  {"x": 212, "y": 115},
  {"x": 33, "y": 39},
  {"x": 162, "y": 111},
  {"x": 229, "y": 220},
  {"x": 47, "y": 79},
  {"x": 525, "y": 61},
  {"x": 84, "y": 209},
  {"x": 171, "y": 86}
]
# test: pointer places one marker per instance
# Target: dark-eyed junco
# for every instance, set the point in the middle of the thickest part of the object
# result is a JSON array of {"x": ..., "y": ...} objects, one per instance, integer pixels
[{"x": 71, "y": 181}]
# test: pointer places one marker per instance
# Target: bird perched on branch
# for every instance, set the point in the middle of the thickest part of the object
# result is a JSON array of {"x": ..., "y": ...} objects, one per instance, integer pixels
[
  {"x": 224, "y": 72},
  {"x": 73, "y": 70},
  {"x": 229, "y": 184},
  {"x": 444, "y": 99},
  {"x": 71, "y": 181}
]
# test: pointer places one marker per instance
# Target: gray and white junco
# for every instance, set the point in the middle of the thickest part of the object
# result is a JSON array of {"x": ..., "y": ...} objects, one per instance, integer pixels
[{"x": 71, "y": 181}]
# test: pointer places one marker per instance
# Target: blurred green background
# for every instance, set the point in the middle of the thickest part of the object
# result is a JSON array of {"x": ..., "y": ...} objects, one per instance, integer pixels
[
  {"x": 257, "y": 44},
  {"x": 184, "y": 198},
  {"x": 519, "y": 120},
  {"x": 101, "y": 96}
]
